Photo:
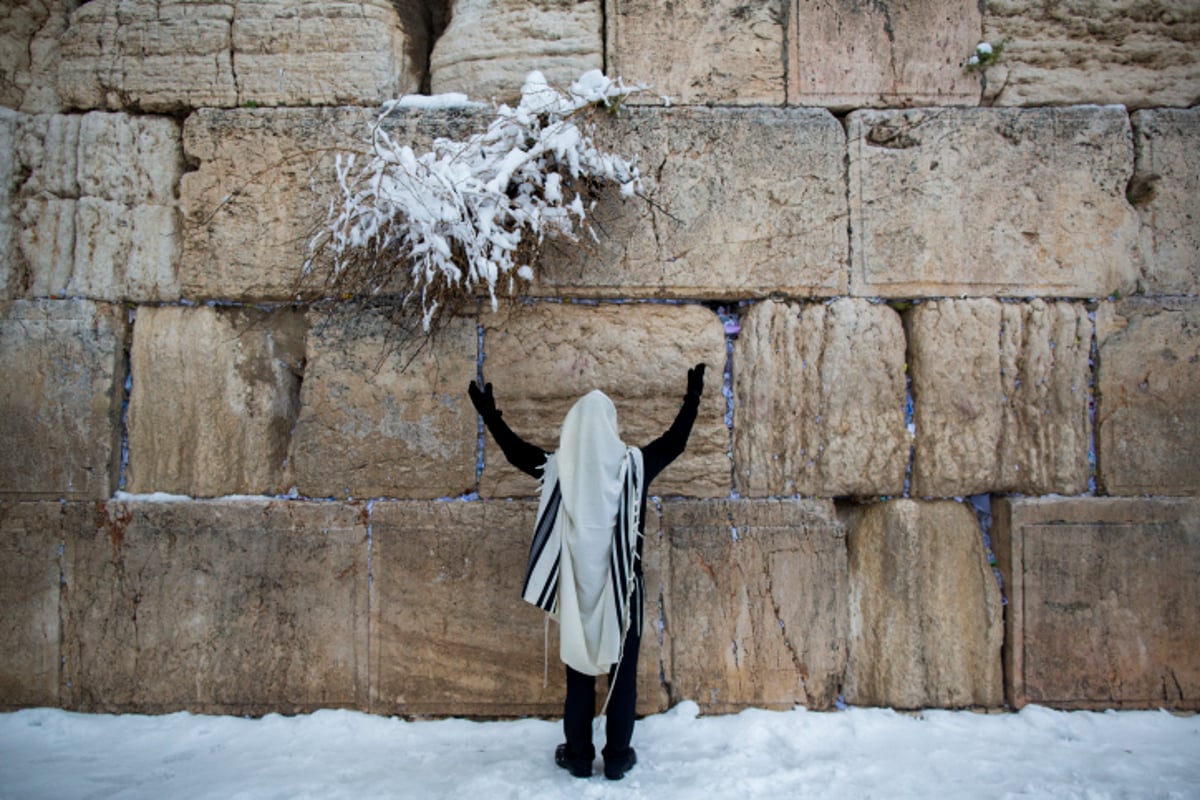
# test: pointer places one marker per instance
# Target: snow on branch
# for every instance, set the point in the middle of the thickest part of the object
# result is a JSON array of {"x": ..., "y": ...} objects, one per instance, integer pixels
[{"x": 447, "y": 224}]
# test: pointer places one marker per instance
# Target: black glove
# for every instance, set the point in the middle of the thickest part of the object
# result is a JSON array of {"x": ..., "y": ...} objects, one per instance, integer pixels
[
  {"x": 484, "y": 402},
  {"x": 695, "y": 385}
]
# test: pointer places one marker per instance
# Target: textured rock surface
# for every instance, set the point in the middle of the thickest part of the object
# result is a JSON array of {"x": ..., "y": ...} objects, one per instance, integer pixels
[
  {"x": 95, "y": 206},
  {"x": 151, "y": 56},
  {"x": 1103, "y": 602},
  {"x": 1148, "y": 415},
  {"x": 926, "y": 622},
  {"x": 215, "y": 395},
  {"x": 745, "y": 202},
  {"x": 491, "y": 45},
  {"x": 217, "y": 607},
  {"x": 267, "y": 176},
  {"x": 31, "y": 535},
  {"x": 1166, "y": 192},
  {"x": 9, "y": 129},
  {"x": 1001, "y": 393},
  {"x": 450, "y": 633},
  {"x": 29, "y": 34},
  {"x": 755, "y": 606},
  {"x": 899, "y": 53},
  {"x": 63, "y": 369},
  {"x": 720, "y": 52},
  {"x": 383, "y": 415},
  {"x": 819, "y": 400},
  {"x": 991, "y": 202},
  {"x": 1133, "y": 52},
  {"x": 542, "y": 358}
]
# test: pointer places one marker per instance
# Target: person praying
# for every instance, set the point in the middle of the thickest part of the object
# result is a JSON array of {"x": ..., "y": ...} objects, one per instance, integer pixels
[{"x": 585, "y": 561}]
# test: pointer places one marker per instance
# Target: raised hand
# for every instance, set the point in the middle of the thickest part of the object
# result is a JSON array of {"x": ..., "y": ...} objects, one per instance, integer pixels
[
  {"x": 695, "y": 380},
  {"x": 483, "y": 400}
]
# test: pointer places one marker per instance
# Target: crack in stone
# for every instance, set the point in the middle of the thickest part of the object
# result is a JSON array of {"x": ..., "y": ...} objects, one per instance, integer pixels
[
  {"x": 797, "y": 662},
  {"x": 237, "y": 86}
]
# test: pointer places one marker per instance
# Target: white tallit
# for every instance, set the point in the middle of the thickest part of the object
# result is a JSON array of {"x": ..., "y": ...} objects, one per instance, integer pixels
[{"x": 581, "y": 568}]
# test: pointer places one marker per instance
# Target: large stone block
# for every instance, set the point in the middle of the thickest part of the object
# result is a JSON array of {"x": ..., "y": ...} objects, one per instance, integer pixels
[
  {"x": 1103, "y": 601},
  {"x": 215, "y": 394},
  {"x": 31, "y": 540},
  {"x": 268, "y": 176},
  {"x": 29, "y": 33},
  {"x": 1001, "y": 397},
  {"x": 542, "y": 358},
  {"x": 926, "y": 622},
  {"x": 63, "y": 368},
  {"x": 96, "y": 207},
  {"x": 755, "y": 607},
  {"x": 742, "y": 203},
  {"x": 450, "y": 633},
  {"x": 992, "y": 202},
  {"x": 151, "y": 56},
  {"x": 228, "y": 607},
  {"x": 1135, "y": 53},
  {"x": 384, "y": 413},
  {"x": 491, "y": 45},
  {"x": 1166, "y": 193},
  {"x": 1148, "y": 415},
  {"x": 819, "y": 400},
  {"x": 720, "y": 52},
  {"x": 907, "y": 53}
]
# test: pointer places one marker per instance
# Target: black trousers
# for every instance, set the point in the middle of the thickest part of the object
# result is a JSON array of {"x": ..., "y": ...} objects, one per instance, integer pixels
[{"x": 580, "y": 706}]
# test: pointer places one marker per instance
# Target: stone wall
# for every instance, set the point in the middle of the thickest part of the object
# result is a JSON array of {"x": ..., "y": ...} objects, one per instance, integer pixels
[{"x": 949, "y": 449}]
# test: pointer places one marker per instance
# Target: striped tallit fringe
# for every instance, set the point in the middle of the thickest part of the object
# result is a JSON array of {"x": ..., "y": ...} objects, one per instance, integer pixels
[{"x": 628, "y": 589}]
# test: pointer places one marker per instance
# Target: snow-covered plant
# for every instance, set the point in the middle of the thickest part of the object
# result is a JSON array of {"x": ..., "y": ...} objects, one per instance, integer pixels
[
  {"x": 986, "y": 54},
  {"x": 471, "y": 214}
]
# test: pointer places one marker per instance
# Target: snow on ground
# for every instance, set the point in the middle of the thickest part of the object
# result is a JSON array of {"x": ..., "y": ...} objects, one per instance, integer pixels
[{"x": 857, "y": 753}]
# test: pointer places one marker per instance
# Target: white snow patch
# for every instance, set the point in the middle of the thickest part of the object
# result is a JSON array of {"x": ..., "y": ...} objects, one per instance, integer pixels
[
  {"x": 433, "y": 101},
  {"x": 858, "y": 753}
]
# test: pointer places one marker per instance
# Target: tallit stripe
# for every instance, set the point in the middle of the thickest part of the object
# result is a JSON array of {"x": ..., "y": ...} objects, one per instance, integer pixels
[
  {"x": 550, "y": 590},
  {"x": 541, "y": 535}
]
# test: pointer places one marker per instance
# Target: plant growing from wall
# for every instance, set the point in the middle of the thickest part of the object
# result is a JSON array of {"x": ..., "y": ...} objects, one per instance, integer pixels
[
  {"x": 469, "y": 217},
  {"x": 986, "y": 54}
]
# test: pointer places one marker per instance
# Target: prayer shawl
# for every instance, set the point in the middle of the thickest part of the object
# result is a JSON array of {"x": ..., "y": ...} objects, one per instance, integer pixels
[{"x": 581, "y": 560}]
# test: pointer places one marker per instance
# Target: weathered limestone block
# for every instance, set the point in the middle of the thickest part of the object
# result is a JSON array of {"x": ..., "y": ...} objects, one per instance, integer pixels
[
  {"x": 1103, "y": 602},
  {"x": 491, "y": 45},
  {"x": 216, "y": 392},
  {"x": 1148, "y": 415},
  {"x": 906, "y": 53},
  {"x": 385, "y": 414},
  {"x": 151, "y": 56},
  {"x": 31, "y": 535},
  {"x": 1000, "y": 395},
  {"x": 745, "y": 202},
  {"x": 755, "y": 607},
  {"x": 63, "y": 368},
  {"x": 992, "y": 202},
  {"x": 1136, "y": 53},
  {"x": 723, "y": 52},
  {"x": 926, "y": 622},
  {"x": 819, "y": 400},
  {"x": 543, "y": 358},
  {"x": 227, "y": 607},
  {"x": 267, "y": 176},
  {"x": 1166, "y": 193},
  {"x": 450, "y": 633},
  {"x": 96, "y": 207},
  {"x": 29, "y": 33}
]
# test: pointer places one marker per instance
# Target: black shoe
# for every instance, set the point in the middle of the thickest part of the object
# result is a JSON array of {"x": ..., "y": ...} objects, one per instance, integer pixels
[
  {"x": 615, "y": 767},
  {"x": 580, "y": 767}
]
